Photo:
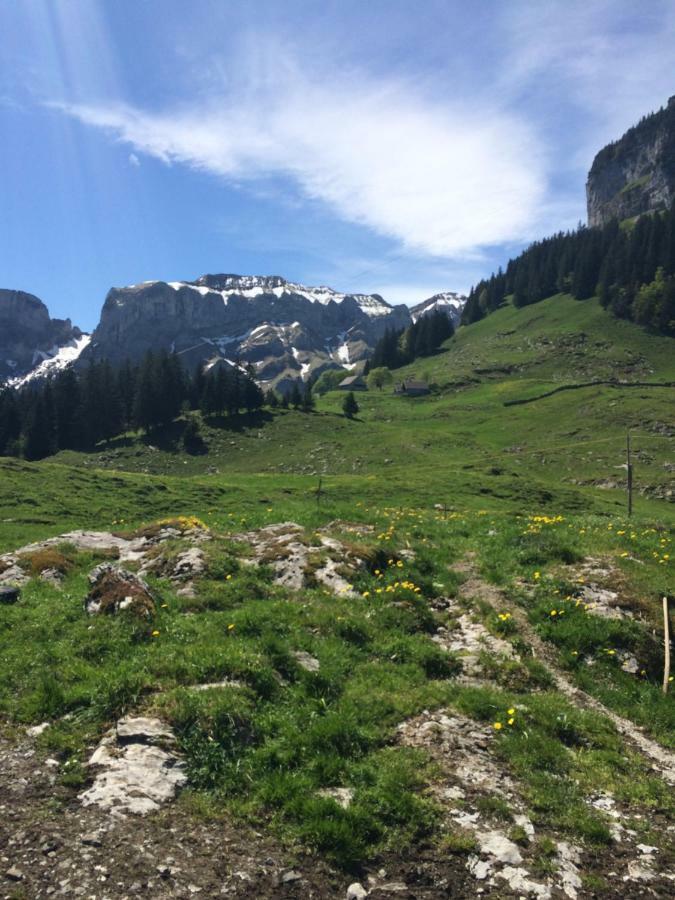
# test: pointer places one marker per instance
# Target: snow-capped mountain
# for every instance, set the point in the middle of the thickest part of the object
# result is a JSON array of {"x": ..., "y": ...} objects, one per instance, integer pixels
[
  {"x": 448, "y": 302},
  {"x": 283, "y": 329},
  {"x": 32, "y": 342}
]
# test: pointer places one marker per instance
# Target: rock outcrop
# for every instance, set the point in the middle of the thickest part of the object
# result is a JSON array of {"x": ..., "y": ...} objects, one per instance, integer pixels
[
  {"x": 137, "y": 768},
  {"x": 29, "y": 338},
  {"x": 448, "y": 302},
  {"x": 284, "y": 330},
  {"x": 635, "y": 174}
]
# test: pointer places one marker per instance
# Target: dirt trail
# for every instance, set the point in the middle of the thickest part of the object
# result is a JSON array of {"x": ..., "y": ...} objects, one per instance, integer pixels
[{"x": 475, "y": 589}]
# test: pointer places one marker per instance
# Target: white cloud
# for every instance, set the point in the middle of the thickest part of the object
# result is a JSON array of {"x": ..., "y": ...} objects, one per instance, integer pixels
[
  {"x": 134, "y": 160},
  {"x": 438, "y": 178},
  {"x": 612, "y": 59}
]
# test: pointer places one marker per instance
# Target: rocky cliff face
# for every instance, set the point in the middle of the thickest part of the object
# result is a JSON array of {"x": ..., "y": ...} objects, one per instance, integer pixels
[
  {"x": 284, "y": 330},
  {"x": 635, "y": 174},
  {"x": 448, "y": 302},
  {"x": 29, "y": 339}
]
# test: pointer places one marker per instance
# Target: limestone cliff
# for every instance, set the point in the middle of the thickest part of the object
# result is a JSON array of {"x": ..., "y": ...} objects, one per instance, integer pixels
[
  {"x": 29, "y": 338},
  {"x": 635, "y": 174}
]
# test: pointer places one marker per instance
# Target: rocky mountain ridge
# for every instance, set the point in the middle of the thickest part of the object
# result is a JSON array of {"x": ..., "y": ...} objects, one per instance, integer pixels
[
  {"x": 283, "y": 329},
  {"x": 635, "y": 174},
  {"x": 449, "y": 302},
  {"x": 30, "y": 340}
]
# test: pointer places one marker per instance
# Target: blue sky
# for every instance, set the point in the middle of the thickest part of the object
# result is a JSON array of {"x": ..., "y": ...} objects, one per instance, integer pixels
[{"x": 397, "y": 147}]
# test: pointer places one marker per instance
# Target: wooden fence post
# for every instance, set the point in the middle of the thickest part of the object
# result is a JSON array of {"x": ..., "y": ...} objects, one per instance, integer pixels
[{"x": 666, "y": 641}]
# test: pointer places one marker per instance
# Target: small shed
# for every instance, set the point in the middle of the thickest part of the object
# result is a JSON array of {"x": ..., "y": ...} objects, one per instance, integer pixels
[
  {"x": 353, "y": 383},
  {"x": 412, "y": 388}
]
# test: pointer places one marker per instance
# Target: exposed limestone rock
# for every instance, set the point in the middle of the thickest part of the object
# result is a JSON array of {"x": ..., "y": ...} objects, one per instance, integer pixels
[
  {"x": 635, "y": 174},
  {"x": 297, "y": 563},
  {"x": 342, "y": 795},
  {"x": 216, "y": 685},
  {"x": 52, "y": 576},
  {"x": 306, "y": 661},
  {"x": 460, "y": 743},
  {"x": 189, "y": 564},
  {"x": 114, "y": 590},
  {"x": 36, "y": 730},
  {"x": 137, "y": 767},
  {"x": 469, "y": 639},
  {"x": 495, "y": 844},
  {"x": 28, "y": 335},
  {"x": 603, "y": 603},
  {"x": 11, "y": 574}
]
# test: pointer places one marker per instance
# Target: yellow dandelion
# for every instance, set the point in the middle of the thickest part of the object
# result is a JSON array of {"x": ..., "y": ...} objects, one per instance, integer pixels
[
  {"x": 497, "y": 726},
  {"x": 230, "y": 626},
  {"x": 155, "y": 633},
  {"x": 511, "y": 711}
]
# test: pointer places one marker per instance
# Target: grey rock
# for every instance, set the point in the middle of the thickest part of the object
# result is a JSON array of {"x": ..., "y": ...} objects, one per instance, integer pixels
[
  {"x": 635, "y": 174},
  {"x": 494, "y": 844},
  {"x": 356, "y": 891},
  {"x": 14, "y": 874},
  {"x": 290, "y": 876},
  {"x": 137, "y": 768},
  {"x": 114, "y": 590},
  {"x": 28, "y": 336},
  {"x": 343, "y": 796},
  {"x": 306, "y": 661},
  {"x": 285, "y": 330},
  {"x": 9, "y": 594}
]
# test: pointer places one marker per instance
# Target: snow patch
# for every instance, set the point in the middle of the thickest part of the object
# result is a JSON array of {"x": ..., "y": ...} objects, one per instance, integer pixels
[
  {"x": 53, "y": 361},
  {"x": 251, "y": 286},
  {"x": 448, "y": 301}
]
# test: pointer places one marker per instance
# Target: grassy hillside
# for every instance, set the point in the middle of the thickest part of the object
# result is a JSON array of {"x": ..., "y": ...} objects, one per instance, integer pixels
[
  {"x": 463, "y": 445},
  {"x": 494, "y": 582}
]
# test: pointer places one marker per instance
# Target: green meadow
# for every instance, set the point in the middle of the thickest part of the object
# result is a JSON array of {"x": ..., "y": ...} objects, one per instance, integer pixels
[{"x": 527, "y": 493}]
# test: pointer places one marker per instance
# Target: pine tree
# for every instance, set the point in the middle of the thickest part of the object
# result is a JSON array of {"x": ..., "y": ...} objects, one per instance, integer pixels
[
  {"x": 308, "y": 403},
  {"x": 349, "y": 406},
  {"x": 295, "y": 397}
]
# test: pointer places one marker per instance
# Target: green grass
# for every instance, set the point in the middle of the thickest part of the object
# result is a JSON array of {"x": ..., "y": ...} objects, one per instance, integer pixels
[{"x": 519, "y": 494}]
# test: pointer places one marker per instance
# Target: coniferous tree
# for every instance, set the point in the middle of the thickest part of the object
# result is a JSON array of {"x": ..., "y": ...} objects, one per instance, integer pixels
[
  {"x": 295, "y": 397},
  {"x": 349, "y": 406},
  {"x": 10, "y": 423},
  {"x": 308, "y": 403}
]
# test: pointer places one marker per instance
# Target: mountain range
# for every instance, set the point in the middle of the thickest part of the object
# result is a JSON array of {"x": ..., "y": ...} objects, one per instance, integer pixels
[{"x": 283, "y": 329}]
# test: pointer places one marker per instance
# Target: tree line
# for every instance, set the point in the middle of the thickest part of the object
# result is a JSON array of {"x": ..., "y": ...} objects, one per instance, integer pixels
[
  {"x": 397, "y": 348},
  {"x": 630, "y": 267},
  {"x": 75, "y": 410}
]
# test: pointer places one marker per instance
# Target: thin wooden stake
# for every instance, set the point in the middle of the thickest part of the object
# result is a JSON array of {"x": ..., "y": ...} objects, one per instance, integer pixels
[
  {"x": 666, "y": 639},
  {"x": 629, "y": 475}
]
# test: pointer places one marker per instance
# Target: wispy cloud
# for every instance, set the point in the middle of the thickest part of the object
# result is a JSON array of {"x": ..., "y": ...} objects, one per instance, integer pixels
[{"x": 439, "y": 178}]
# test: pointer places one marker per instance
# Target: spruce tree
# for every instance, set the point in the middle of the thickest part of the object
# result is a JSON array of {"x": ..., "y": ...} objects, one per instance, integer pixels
[{"x": 349, "y": 406}]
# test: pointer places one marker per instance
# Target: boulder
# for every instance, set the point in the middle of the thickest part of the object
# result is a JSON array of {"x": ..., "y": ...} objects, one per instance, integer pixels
[
  {"x": 9, "y": 594},
  {"x": 137, "y": 768},
  {"x": 115, "y": 590}
]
